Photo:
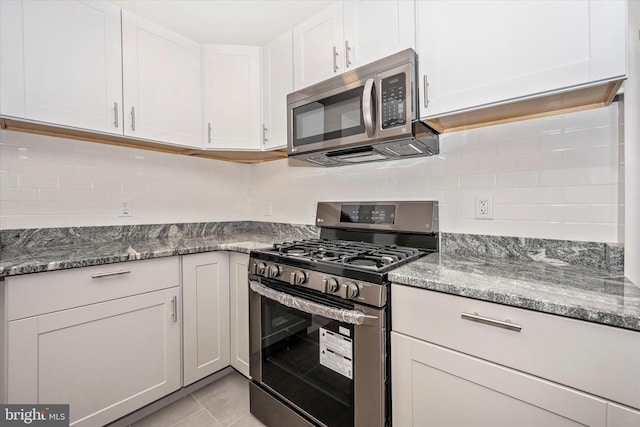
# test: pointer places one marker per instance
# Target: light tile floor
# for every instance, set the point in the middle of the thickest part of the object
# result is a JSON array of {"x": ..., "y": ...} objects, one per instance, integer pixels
[{"x": 224, "y": 403}]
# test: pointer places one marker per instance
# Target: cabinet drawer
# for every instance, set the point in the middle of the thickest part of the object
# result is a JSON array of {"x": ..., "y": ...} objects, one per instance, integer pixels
[
  {"x": 599, "y": 359},
  {"x": 40, "y": 293}
]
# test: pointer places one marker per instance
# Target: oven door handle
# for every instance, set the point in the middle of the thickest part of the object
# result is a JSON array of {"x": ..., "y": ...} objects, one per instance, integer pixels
[{"x": 353, "y": 317}]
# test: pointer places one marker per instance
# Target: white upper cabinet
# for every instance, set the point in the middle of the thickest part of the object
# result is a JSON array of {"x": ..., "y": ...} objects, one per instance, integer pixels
[
  {"x": 60, "y": 62},
  {"x": 232, "y": 102},
  {"x": 374, "y": 29},
  {"x": 317, "y": 47},
  {"x": 349, "y": 34},
  {"x": 482, "y": 53},
  {"x": 277, "y": 83},
  {"x": 162, "y": 84}
]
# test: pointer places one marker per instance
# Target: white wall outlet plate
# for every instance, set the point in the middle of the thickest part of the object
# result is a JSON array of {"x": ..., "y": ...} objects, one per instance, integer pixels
[
  {"x": 124, "y": 207},
  {"x": 484, "y": 207}
]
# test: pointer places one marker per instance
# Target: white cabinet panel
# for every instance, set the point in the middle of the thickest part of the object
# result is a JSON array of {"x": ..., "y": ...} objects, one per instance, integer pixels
[
  {"x": 239, "y": 303},
  {"x": 277, "y": 78},
  {"x": 127, "y": 348},
  {"x": 317, "y": 47},
  {"x": 61, "y": 63},
  {"x": 40, "y": 293},
  {"x": 432, "y": 385},
  {"x": 374, "y": 29},
  {"x": 162, "y": 87},
  {"x": 549, "y": 346},
  {"x": 620, "y": 416},
  {"x": 349, "y": 34},
  {"x": 205, "y": 290},
  {"x": 479, "y": 53},
  {"x": 232, "y": 97}
]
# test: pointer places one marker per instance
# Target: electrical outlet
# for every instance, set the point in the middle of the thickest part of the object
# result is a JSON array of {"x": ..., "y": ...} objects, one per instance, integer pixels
[
  {"x": 484, "y": 207},
  {"x": 124, "y": 207}
]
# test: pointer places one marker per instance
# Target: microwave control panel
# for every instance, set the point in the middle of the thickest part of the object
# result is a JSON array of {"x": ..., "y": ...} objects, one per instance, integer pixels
[{"x": 394, "y": 101}]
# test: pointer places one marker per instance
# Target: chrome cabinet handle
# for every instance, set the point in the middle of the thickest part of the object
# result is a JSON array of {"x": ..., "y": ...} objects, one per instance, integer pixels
[
  {"x": 209, "y": 132},
  {"x": 110, "y": 273},
  {"x": 115, "y": 114},
  {"x": 426, "y": 91},
  {"x": 505, "y": 324},
  {"x": 174, "y": 307},
  {"x": 335, "y": 59},
  {"x": 264, "y": 133},
  {"x": 367, "y": 107},
  {"x": 347, "y": 49},
  {"x": 133, "y": 118}
]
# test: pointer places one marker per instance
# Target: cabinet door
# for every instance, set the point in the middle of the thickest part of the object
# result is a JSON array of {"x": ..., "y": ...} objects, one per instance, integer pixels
[
  {"x": 239, "y": 303},
  {"x": 435, "y": 386},
  {"x": 162, "y": 84},
  {"x": 205, "y": 293},
  {"x": 61, "y": 63},
  {"x": 232, "y": 97},
  {"x": 374, "y": 29},
  {"x": 477, "y": 53},
  {"x": 277, "y": 78},
  {"x": 317, "y": 47},
  {"x": 620, "y": 416},
  {"x": 105, "y": 360}
]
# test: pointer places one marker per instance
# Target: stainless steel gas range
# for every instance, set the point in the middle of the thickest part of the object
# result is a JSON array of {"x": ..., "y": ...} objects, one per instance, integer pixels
[{"x": 319, "y": 314}]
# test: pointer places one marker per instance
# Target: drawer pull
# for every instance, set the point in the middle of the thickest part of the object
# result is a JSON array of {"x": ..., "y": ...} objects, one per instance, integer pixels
[
  {"x": 174, "y": 307},
  {"x": 506, "y": 324},
  {"x": 110, "y": 273}
]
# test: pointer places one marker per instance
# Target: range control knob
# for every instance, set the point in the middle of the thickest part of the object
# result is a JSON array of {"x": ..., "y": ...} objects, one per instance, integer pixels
[
  {"x": 331, "y": 285},
  {"x": 273, "y": 271},
  {"x": 350, "y": 290},
  {"x": 298, "y": 277},
  {"x": 260, "y": 268}
]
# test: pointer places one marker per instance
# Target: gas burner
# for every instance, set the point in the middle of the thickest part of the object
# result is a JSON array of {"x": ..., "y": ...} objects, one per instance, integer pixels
[
  {"x": 367, "y": 261},
  {"x": 325, "y": 255}
]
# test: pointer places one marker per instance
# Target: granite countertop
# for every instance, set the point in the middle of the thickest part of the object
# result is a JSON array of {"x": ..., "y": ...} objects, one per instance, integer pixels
[
  {"x": 23, "y": 261},
  {"x": 542, "y": 284},
  {"x": 577, "y": 292}
]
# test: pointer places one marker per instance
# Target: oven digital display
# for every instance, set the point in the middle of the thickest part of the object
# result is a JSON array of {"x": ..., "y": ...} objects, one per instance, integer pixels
[{"x": 368, "y": 214}]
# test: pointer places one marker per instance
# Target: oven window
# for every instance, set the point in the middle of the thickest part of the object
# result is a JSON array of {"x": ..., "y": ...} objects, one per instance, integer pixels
[
  {"x": 333, "y": 117},
  {"x": 305, "y": 359}
]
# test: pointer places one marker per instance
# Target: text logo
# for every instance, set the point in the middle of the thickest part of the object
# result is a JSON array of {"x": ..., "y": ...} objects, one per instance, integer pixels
[{"x": 34, "y": 415}]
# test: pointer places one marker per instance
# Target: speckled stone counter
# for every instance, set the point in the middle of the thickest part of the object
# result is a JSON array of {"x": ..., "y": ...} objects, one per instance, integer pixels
[
  {"x": 39, "y": 250},
  {"x": 572, "y": 279},
  {"x": 577, "y": 292}
]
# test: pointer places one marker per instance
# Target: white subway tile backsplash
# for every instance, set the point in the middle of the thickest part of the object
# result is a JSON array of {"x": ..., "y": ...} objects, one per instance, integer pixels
[
  {"x": 487, "y": 180},
  {"x": 555, "y": 177},
  {"x": 592, "y": 194},
  {"x": 37, "y": 181},
  {"x": 517, "y": 179},
  {"x": 564, "y": 141},
  {"x": 522, "y": 146},
  {"x": 563, "y": 177},
  {"x": 444, "y": 182},
  {"x": 540, "y": 161}
]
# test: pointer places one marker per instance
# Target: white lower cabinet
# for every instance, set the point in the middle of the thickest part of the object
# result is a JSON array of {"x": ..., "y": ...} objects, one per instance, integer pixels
[
  {"x": 435, "y": 386},
  {"x": 205, "y": 293},
  {"x": 239, "y": 303},
  {"x": 451, "y": 366},
  {"x": 105, "y": 359}
]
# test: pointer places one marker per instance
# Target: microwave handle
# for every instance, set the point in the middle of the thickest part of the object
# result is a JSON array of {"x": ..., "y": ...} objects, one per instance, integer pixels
[{"x": 368, "y": 110}]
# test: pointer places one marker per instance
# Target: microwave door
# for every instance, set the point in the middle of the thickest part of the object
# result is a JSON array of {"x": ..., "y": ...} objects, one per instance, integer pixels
[{"x": 336, "y": 120}]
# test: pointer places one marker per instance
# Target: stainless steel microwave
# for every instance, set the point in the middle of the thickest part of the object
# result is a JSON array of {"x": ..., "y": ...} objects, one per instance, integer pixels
[{"x": 365, "y": 115}]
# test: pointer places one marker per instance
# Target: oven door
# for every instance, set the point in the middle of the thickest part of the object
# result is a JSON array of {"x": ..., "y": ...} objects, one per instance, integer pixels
[{"x": 314, "y": 357}]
